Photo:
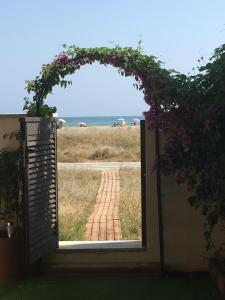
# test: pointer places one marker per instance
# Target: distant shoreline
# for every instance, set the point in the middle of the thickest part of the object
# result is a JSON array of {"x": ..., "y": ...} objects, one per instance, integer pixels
[{"x": 97, "y": 121}]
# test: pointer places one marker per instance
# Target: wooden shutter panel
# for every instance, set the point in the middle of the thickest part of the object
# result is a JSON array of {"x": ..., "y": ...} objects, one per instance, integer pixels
[{"x": 40, "y": 187}]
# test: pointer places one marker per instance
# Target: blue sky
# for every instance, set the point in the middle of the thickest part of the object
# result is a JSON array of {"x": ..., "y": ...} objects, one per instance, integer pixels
[{"x": 31, "y": 32}]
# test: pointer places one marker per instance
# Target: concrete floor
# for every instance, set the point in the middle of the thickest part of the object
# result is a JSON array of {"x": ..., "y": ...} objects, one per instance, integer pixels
[{"x": 132, "y": 244}]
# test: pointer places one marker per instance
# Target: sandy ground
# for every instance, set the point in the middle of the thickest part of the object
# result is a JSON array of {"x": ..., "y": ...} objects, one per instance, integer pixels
[
  {"x": 65, "y": 128},
  {"x": 99, "y": 165}
]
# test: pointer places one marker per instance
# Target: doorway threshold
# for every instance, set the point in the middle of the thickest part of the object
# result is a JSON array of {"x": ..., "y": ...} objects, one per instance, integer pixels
[{"x": 121, "y": 244}]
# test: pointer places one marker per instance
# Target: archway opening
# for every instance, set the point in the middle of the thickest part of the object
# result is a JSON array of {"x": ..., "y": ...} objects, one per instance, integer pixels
[{"x": 99, "y": 169}]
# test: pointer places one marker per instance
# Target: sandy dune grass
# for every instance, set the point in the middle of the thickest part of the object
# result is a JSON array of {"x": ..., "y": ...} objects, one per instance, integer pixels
[
  {"x": 77, "y": 193},
  {"x": 130, "y": 203},
  {"x": 99, "y": 144}
]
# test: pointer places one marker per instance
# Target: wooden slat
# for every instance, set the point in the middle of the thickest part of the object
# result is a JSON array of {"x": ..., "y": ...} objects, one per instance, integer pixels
[
  {"x": 38, "y": 230},
  {"x": 41, "y": 179},
  {"x": 43, "y": 169},
  {"x": 33, "y": 170},
  {"x": 42, "y": 213},
  {"x": 46, "y": 216},
  {"x": 51, "y": 227},
  {"x": 47, "y": 221},
  {"x": 42, "y": 205},
  {"x": 49, "y": 194},
  {"x": 36, "y": 149},
  {"x": 51, "y": 188},
  {"x": 41, "y": 154},
  {"x": 51, "y": 207},
  {"x": 39, "y": 185},
  {"x": 45, "y": 194},
  {"x": 45, "y": 225},
  {"x": 39, "y": 190},
  {"x": 41, "y": 174},
  {"x": 37, "y": 137},
  {"x": 41, "y": 163},
  {"x": 41, "y": 127},
  {"x": 41, "y": 158},
  {"x": 38, "y": 205},
  {"x": 41, "y": 143}
]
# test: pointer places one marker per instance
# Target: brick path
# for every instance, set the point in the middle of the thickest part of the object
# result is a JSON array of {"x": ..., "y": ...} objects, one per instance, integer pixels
[{"x": 104, "y": 224}]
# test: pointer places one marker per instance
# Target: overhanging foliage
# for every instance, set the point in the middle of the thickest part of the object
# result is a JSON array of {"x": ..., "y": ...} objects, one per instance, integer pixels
[{"x": 146, "y": 70}]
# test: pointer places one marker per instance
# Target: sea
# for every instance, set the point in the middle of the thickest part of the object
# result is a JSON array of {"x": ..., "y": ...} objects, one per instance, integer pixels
[{"x": 97, "y": 121}]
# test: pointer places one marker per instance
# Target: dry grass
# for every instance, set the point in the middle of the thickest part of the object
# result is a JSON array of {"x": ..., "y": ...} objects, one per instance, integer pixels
[
  {"x": 99, "y": 144},
  {"x": 77, "y": 193},
  {"x": 130, "y": 204}
]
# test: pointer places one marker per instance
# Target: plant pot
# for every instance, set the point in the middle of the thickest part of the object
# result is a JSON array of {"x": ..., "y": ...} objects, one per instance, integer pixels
[
  {"x": 11, "y": 266},
  {"x": 217, "y": 275}
]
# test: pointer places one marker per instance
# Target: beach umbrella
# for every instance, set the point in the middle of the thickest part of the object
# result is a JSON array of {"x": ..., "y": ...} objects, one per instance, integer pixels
[
  {"x": 82, "y": 124},
  {"x": 121, "y": 119},
  {"x": 135, "y": 120},
  {"x": 62, "y": 120}
]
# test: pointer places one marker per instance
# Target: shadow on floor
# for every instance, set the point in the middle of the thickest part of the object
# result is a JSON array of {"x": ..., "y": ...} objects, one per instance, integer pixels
[{"x": 173, "y": 287}]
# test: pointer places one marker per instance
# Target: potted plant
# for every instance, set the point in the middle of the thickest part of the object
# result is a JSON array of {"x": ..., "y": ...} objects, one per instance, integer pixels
[
  {"x": 10, "y": 194},
  {"x": 217, "y": 269}
]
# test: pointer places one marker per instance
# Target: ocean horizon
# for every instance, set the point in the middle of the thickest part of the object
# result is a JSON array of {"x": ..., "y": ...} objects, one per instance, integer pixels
[{"x": 92, "y": 121}]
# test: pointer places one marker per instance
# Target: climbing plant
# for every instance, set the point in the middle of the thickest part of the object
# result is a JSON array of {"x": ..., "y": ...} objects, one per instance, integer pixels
[
  {"x": 189, "y": 110},
  {"x": 191, "y": 114},
  {"x": 145, "y": 69}
]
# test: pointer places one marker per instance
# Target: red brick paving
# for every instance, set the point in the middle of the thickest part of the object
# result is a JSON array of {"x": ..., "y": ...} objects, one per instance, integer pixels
[{"x": 103, "y": 223}]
